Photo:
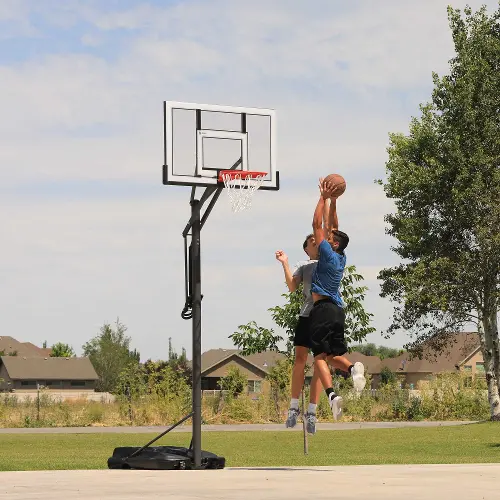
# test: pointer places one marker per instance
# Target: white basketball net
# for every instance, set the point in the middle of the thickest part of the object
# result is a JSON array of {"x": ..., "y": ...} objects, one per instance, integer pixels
[{"x": 240, "y": 190}]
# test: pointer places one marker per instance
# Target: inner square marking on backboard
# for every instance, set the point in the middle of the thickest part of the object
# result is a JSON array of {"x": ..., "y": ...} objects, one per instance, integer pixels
[{"x": 223, "y": 135}]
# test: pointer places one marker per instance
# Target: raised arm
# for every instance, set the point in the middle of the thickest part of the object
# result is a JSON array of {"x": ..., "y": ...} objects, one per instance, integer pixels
[
  {"x": 326, "y": 215},
  {"x": 333, "y": 221},
  {"x": 291, "y": 282},
  {"x": 322, "y": 213},
  {"x": 319, "y": 233}
]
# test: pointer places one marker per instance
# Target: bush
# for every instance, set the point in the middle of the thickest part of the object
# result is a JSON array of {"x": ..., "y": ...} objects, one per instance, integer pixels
[
  {"x": 448, "y": 397},
  {"x": 95, "y": 413},
  {"x": 387, "y": 377},
  {"x": 234, "y": 382},
  {"x": 279, "y": 378}
]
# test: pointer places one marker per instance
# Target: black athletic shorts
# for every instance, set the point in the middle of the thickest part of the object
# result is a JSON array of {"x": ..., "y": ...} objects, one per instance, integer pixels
[
  {"x": 327, "y": 323},
  {"x": 302, "y": 335}
]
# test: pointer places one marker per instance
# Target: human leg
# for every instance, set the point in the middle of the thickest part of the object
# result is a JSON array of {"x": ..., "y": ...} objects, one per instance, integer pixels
[
  {"x": 301, "y": 343},
  {"x": 314, "y": 395},
  {"x": 334, "y": 400},
  {"x": 323, "y": 323},
  {"x": 356, "y": 370},
  {"x": 337, "y": 347},
  {"x": 298, "y": 371}
]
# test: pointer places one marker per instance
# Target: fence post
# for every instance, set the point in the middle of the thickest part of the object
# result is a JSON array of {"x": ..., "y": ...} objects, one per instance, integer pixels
[
  {"x": 129, "y": 398},
  {"x": 38, "y": 402}
]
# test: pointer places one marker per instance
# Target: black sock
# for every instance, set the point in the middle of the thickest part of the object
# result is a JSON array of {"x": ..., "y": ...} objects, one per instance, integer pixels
[
  {"x": 350, "y": 369},
  {"x": 330, "y": 393}
]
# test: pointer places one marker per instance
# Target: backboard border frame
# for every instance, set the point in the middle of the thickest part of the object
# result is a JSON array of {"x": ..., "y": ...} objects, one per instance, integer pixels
[{"x": 168, "y": 175}]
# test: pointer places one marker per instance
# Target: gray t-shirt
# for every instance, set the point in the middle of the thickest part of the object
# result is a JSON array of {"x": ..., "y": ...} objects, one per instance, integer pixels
[{"x": 303, "y": 273}]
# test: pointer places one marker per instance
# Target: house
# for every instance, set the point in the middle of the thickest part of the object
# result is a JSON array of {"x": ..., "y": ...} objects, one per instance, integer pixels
[
  {"x": 215, "y": 364},
  {"x": 22, "y": 373},
  {"x": 458, "y": 352}
]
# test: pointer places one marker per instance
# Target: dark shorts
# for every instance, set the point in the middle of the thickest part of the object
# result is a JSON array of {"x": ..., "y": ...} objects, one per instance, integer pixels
[
  {"x": 302, "y": 336},
  {"x": 326, "y": 327}
]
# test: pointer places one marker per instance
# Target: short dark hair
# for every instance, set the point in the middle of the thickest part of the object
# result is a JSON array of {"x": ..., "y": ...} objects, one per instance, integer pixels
[
  {"x": 306, "y": 240},
  {"x": 342, "y": 239}
]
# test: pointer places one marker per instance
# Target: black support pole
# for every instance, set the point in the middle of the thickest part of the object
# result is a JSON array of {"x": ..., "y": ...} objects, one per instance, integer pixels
[{"x": 196, "y": 281}]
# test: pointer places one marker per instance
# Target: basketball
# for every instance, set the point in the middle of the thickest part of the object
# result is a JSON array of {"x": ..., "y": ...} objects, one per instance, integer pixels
[{"x": 338, "y": 181}]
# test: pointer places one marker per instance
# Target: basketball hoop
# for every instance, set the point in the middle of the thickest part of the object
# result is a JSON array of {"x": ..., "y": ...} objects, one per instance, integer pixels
[{"x": 241, "y": 186}]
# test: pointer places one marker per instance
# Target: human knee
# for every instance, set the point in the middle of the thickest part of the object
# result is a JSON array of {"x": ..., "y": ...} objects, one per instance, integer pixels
[
  {"x": 300, "y": 358},
  {"x": 320, "y": 357}
]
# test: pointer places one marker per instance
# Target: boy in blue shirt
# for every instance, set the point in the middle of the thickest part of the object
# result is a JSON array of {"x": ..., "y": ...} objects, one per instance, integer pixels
[{"x": 327, "y": 317}]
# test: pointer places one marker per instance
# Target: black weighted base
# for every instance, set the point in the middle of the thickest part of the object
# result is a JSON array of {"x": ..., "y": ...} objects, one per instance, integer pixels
[{"x": 162, "y": 458}]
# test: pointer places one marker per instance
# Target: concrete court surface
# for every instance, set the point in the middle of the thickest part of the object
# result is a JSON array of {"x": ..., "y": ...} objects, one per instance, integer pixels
[{"x": 373, "y": 482}]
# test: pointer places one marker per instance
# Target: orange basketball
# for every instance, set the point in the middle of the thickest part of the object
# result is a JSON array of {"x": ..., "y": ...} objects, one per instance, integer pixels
[{"x": 339, "y": 182}]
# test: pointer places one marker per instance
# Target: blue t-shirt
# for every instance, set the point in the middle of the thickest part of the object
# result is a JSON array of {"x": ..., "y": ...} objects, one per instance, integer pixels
[{"x": 328, "y": 273}]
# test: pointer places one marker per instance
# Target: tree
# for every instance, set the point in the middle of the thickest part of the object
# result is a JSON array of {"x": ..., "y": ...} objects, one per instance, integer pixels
[
  {"x": 234, "y": 382},
  {"x": 179, "y": 363},
  {"x": 444, "y": 178},
  {"x": 381, "y": 351},
  {"x": 61, "y": 350},
  {"x": 110, "y": 355},
  {"x": 251, "y": 338},
  {"x": 387, "y": 376},
  {"x": 132, "y": 381}
]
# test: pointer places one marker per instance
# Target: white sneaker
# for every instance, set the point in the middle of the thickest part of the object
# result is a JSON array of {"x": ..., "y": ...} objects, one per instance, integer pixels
[
  {"x": 358, "y": 376},
  {"x": 336, "y": 407}
]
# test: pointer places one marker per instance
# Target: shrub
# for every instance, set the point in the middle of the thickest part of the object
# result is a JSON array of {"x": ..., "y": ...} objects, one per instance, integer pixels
[
  {"x": 279, "y": 377},
  {"x": 387, "y": 376},
  {"x": 234, "y": 382}
]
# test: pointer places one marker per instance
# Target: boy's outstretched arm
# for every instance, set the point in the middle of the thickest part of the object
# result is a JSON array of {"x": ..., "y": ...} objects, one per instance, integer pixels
[
  {"x": 333, "y": 221},
  {"x": 318, "y": 217}
]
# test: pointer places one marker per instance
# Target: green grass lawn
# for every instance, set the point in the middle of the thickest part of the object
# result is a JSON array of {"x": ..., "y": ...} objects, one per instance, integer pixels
[{"x": 471, "y": 443}]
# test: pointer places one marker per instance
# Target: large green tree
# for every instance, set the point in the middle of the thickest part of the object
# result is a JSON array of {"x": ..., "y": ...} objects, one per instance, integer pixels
[
  {"x": 251, "y": 338},
  {"x": 444, "y": 178},
  {"x": 110, "y": 354}
]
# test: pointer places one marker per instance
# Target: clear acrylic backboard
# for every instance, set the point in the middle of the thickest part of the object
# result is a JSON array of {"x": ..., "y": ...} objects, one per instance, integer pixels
[{"x": 201, "y": 140}]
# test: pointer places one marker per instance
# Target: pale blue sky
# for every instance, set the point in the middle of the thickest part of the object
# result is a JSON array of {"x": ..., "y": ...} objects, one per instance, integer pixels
[{"x": 90, "y": 233}]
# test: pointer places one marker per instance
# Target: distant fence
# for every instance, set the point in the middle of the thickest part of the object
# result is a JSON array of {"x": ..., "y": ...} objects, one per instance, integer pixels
[
  {"x": 213, "y": 393},
  {"x": 385, "y": 395},
  {"x": 57, "y": 396}
]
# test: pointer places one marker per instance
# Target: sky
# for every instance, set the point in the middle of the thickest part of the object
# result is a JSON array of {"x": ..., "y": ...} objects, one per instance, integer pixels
[{"x": 89, "y": 232}]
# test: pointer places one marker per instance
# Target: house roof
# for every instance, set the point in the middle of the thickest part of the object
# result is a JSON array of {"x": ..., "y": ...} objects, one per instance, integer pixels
[
  {"x": 44, "y": 351},
  {"x": 214, "y": 356},
  {"x": 263, "y": 360},
  {"x": 451, "y": 351},
  {"x": 38, "y": 368},
  {"x": 9, "y": 344}
]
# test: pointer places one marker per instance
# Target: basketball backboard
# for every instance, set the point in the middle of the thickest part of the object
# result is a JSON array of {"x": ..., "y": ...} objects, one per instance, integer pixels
[{"x": 200, "y": 140}]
